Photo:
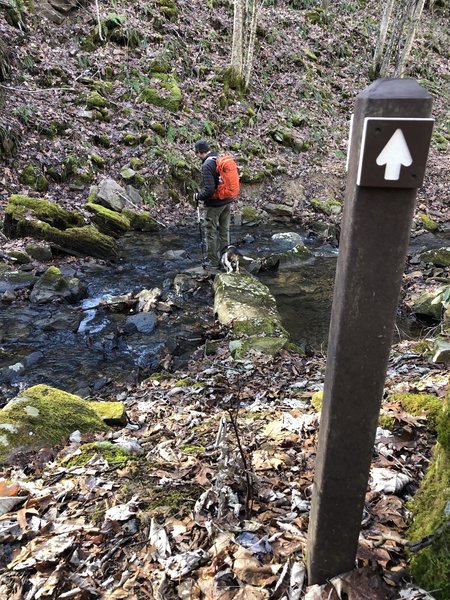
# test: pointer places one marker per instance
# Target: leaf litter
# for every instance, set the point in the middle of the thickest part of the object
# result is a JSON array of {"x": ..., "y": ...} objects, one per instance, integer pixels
[{"x": 213, "y": 501}]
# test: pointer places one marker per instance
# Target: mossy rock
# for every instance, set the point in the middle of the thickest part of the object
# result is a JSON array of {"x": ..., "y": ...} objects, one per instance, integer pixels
[
  {"x": 430, "y": 566},
  {"x": 53, "y": 284},
  {"x": 98, "y": 160},
  {"x": 289, "y": 139},
  {"x": 112, "y": 413},
  {"x": 113, "y": 454},
  {"x": 20, "y": 258},
  {"x": 250, "y": 214},
  {"x": 43, "y": 416},
  {"x": 60, "y": 228},
  {"x": 327, "y": 207},
  {"x": 159, "y": 129},
  {"x": 439, "y": 257},
  {"x": 130, "y": 139},
  {"x": 136, "y": 163},
  {"x": 166, "y": 92},
  {"x": 427, "y": 222},
  {"x": 420, "y": 405},
  {"x": 39, "y": 252},
  {"x": 265, "y": 345},
  {"x": 20, "y": 208},
  {"x": 244, "y": 303},
  {"x": 424, "y": 305},
  {"x": 96, "y": 100},
  {"x": 140, "y": 221},
  {"x": 32, "y": 177},
  {"x": 108, "y": 221}
]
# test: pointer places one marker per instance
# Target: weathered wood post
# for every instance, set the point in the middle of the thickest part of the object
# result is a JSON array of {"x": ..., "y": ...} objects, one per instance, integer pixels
[{"x": 389, "y": 144}]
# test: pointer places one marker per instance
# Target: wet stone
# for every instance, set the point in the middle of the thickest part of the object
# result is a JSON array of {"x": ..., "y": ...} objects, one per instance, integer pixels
[{"x": 142, "y": 322}]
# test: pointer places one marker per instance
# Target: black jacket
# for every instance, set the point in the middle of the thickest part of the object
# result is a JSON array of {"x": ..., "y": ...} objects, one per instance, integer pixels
[{"x": 210, "y": 180}]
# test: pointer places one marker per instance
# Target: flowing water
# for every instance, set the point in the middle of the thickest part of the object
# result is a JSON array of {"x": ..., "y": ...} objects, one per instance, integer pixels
[{"x": 85, "y": 348}]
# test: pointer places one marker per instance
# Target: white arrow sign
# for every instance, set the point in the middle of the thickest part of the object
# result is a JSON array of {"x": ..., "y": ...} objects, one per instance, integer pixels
[{"x": 395, "y": 154}]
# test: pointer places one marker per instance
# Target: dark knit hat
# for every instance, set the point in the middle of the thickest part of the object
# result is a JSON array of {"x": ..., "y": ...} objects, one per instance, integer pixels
[{"x": 202, "y": 146}]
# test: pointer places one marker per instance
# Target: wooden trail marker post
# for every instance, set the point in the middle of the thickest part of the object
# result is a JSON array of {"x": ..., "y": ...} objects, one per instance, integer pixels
[{"x": 390, "y": 138}]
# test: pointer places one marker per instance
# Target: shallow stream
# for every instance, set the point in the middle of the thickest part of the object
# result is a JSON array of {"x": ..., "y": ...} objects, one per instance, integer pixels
[{"x": 85, "y": 348}]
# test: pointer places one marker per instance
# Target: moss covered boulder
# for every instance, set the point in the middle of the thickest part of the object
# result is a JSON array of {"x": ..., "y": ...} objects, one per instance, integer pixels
[
  {"x": 22, "y": 209},
  {"x": 140, "y": 221},
  {"x": 439, "y": 257},
  {"x": 42, "y": 416},
  {"x": 429, "y": 534},
  {"x": 109, "y": 221},
  {"x": 163, "y": 92},
  {"x": 53, "y": 284},
  {"x": 62, "y": 229},
  {"x": 244, "y": 303}
]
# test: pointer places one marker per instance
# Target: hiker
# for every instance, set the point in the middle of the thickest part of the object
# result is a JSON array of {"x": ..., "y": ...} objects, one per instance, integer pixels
[{"x": 217, "y": 209}]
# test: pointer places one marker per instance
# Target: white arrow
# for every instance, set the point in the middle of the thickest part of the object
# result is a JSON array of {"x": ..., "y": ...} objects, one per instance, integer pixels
[{"x": 395, "y": 154}]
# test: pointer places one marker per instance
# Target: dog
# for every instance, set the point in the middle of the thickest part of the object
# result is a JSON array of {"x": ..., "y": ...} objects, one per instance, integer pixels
[{"x": 230, "y": 258}]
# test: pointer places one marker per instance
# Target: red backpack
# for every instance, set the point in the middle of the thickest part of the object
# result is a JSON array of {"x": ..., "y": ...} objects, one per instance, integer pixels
[{"x": 228, "y": 186}]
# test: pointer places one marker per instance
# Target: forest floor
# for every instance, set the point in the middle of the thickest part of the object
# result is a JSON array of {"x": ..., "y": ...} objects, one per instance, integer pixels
[{"x": 212, "y": 501}]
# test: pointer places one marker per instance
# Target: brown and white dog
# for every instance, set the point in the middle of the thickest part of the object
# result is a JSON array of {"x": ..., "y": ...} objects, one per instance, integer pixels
[{"x": 230, "y": 259}]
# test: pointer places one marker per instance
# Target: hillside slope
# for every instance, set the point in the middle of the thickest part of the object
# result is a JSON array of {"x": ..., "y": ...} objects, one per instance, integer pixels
[{"x": 79, "y": 106}]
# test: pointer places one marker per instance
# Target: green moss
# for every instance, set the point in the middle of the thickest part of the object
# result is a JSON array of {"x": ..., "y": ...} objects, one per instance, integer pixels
[
  {"x": 98, "y": 160},
  {"x": 328, "y": 207},
  {"x": 96, "y": 100},
  {"x": 287, "y": 138},
  {"x": 386, "y": 422},
  {"x": 427, "y": 222},
  {"x": 192, "y": 449},
  {"x": 317, "y": 400},
  {"x": 136, "y": 163},
  {"x": 28, "y": 175},
  {"x": 113, "y": 454},
  {"x": 249, "y": 214},
  {"x": 430, "y": 566},
  {"x": 109, "y": 221},
  {"x": 258, "y": 326},
  {"x": 130, "y": 139},
  {"x": 180, "y": 500},
  {"x": 140, "y": 221},
  {"x": 32, "y": 177},
  {"x": 420, "y": 404},
  {"x": 20, "y": 208},
  {"x": 183, "y": 382},
  {"x": 127, "y": 173},
  {"x": 112, "y": 413},
  {"x": 104, "y": 88},
  {"x": 44, "y": 415},
  {"x": 439, "y": 257},
  {"x": 159, "y": 129},
  {"x": 443, "y": 426},
  {"x": 52, "y": 224},
  {"x": 266, "y": 345},
  {"x": 166, "y": 94}
]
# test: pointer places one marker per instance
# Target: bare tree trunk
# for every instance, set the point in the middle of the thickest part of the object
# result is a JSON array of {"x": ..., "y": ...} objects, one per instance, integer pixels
[
  {"x": 251, "y": 41},
  {"x": 384, "y": 26},
  {"x": 238, "y": 37},
  {"x": 414, "y": 18}
]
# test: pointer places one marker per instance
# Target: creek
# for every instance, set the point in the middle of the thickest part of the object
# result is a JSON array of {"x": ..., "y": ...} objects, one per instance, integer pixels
[{"x": 87, "y": 348}]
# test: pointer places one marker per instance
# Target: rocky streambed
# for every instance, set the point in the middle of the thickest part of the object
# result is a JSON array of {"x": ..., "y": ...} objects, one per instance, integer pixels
[{"x": 152, "y": 306}]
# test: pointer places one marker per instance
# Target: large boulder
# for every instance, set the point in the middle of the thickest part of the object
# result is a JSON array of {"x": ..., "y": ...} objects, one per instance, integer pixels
[
  {"x": 111, "y": 195},
  {"x": 53, "y": 284},
  {"x": 244, "y": 303},
  {"x": 62, "y": 229},
  {"x": 41, "y": 416}
]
